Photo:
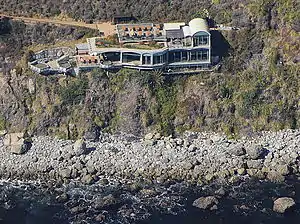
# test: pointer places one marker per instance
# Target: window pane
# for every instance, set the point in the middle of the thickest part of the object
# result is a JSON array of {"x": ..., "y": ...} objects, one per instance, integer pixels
[
  {"x": 193, "y": 56},
  {"x": 184, "y": 56}
]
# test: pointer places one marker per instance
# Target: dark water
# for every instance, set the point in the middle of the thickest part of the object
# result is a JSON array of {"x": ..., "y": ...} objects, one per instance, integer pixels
[{"x": 250, "y": 201}]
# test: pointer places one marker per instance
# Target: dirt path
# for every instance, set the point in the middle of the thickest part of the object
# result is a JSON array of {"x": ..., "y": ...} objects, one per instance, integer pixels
[{"x": 105, "y": 27}]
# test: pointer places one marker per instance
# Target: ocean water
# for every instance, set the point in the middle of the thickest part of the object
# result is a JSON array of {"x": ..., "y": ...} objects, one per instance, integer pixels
[{"x": 250, "y": 201}]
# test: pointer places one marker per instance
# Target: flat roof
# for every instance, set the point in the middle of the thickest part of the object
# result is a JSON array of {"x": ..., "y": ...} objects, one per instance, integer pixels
[
  {"x": 94, "y": 49},
  {"x": 83, "y": 46},
  {"x": 41, "y": 66},
  {"x": 137, "y": 32},
  {"x": 178, "y": 34},
  {"x": 64, "y": 64},
  {"x": 173, "y": 26}
]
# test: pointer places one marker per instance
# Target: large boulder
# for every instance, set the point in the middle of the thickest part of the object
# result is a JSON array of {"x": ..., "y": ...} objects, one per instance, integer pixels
[
  {"x": 17, "y": 143},
  {"x": 255, "y": 164},
  {"x": 256, "y": 151},
  {"x": 206, "y": 202},
  {"x": 283, "y": 169},
  {"x": 79, "y": 147},
  {"x": 149, "y": 136},
  {"x": 87, "y": 179},
  {"x": 275, "y": 177},
  {"x": 92, "y": 134},
  {"x": 107, "y": 202},
  {"x": 238, "y": 150},
  {"x": 65, "y": 173},
  {"x": 281, "y": 205},
  {"x": 20, "y": 149}
]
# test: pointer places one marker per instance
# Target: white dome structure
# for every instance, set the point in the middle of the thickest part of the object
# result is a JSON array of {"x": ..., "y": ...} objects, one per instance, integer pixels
[{"x": 196, "y": 25}]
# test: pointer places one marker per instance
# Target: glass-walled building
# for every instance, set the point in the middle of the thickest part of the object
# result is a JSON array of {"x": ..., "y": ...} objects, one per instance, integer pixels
[{"x": 157, "y": 46}]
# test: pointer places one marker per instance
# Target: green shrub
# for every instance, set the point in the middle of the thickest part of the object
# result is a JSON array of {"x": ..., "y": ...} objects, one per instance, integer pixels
[
  {"x": 2, "y": 123},
  {"x": 74, "y": 92}
]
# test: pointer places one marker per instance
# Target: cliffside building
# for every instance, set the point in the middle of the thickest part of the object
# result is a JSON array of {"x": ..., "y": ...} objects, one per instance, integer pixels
[{"x": 146, "y": 46}]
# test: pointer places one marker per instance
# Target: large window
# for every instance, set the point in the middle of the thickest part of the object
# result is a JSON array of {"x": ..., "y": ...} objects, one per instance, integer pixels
[
  {"x": 193, "y": 56},
  {"x": 111, "y": 56},
  {"x": 200, "y": 40},
  {"x": 159, "y": 59},
  {"x": 200, "y": 55},
  {"x": 146, "y": 59},
  {"x": 184, "y": 56},
  {"x": 175, "y": 56},
  {"x": 131, "y": 57}
]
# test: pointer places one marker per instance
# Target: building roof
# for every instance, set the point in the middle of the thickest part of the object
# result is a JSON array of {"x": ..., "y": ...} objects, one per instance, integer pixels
[
  {"x": 173, "y": 26},
  {"x": 83, "y": 46},
  {"x": 197, "y": 25},
  {"x": 175, "y": 34}
]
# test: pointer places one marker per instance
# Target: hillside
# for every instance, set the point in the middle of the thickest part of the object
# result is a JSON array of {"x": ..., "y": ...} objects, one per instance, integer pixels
[{"x": 256, "y": 89}]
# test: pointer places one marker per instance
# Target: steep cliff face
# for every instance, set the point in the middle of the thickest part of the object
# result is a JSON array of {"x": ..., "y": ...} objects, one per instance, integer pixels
[{"x": 137, "y": 103}]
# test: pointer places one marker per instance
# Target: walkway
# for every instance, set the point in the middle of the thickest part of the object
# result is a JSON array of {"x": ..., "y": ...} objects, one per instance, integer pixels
[{"x": 106, "y": 27}]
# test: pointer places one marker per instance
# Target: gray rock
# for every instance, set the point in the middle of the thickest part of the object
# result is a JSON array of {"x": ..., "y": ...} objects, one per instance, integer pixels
[
  {"x": 66, "y": 173},
  {"x": 220, "y": 192},
  {"x": 283, "y": 169},
  {"x": 205, "y": 202},
  {"x": 62, "y": 198},
  {"x": 217, "y": 138},
  {"x": 255, "y": 164},
  {"x": 78, "y": 165},
  {"x": 256, "y": 151},
  {"x": 79, "y": 147},
  {"x": 209, "y": 177},
  {"x": 91, "y": 169},
  {"x": 241, "y": 171},
  {"x": 103, "y": 181},
  {"x": 74, "y": 173},
  {"x": 20, "y": 149},
  {"x": 275, "y": 177},
  {"x": 17, "y": 143},
  {"x": 238, "y": 150},
  {"x": 68, "y": 156},
  {"x": 281, "y": 205},
  {"x": 179, "y": 141},
  {"x": 87, "y": 179},
  {"x": 78, "y": 209},
  {"x": 187, "y": 166},
  {"x": 149, "y": 136},
  {"x": 100, "y": 218},
  {"x": 105, "y": 202},
  {"x": 148, "y": 193},
  {"x": 192, "y": 148},
  {"x": 157, "y": 136}
]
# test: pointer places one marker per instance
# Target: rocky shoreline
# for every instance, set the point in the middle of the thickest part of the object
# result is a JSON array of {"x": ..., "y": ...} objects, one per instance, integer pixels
[
  {"x": 131, "y": 180},
  {"x": 195, "y": 157}
]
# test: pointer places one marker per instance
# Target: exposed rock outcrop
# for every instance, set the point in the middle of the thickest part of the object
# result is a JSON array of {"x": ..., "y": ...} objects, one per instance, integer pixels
[
  {"x": 17, "y": 143},
  {"x": 79, "y": 147},
  {"x": 281, "y": 205},
  {"x": 209, "y": 202}
]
